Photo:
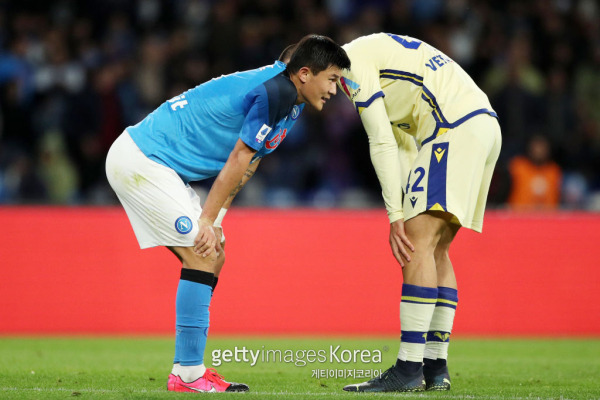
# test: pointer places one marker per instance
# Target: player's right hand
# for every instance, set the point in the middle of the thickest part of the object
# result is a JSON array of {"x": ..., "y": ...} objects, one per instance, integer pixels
[
  {"x": 399, "y": 242},
  {"x": 205, "y": 240}
]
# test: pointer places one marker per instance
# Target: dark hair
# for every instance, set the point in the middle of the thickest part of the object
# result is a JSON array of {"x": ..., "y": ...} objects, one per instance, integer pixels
[
  {"x": 286, "y": 54},
  {"x": 317, "y": 53}
]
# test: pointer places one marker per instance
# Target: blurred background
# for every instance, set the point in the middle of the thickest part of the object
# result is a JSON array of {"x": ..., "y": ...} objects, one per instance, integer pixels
[{"x": 74, "y": 74}]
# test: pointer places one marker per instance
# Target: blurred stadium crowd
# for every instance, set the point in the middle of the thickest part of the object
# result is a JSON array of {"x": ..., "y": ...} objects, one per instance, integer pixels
[{"x": 74, "y": 74}]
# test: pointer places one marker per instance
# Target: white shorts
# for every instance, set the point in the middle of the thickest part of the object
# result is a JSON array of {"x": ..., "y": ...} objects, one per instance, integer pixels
[
  {"x": 162, "y": 209},
  {"x": 453, "y": 172}
]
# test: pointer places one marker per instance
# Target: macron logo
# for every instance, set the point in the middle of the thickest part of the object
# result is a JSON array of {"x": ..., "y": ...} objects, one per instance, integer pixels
[{"x": 262, "y": 133}]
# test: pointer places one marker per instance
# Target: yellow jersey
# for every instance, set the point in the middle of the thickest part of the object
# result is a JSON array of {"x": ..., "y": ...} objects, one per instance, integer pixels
[{"x": 407, "y": 93}]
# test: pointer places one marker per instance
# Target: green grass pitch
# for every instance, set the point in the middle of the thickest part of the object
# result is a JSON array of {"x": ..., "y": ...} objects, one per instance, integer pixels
[{"x": 137, "y": 368}]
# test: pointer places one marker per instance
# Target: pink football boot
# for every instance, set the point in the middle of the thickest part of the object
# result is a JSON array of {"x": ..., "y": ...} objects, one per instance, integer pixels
[{"x": 211, "y": 381}]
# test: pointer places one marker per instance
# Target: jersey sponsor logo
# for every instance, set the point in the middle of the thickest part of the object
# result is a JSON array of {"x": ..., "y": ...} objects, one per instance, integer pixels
[
  {"x": 263, "y": 132},
  {"x": 183, "y": 225},
  {"x": 295, "y": 113},
  {"x": 273, "y": 143}
]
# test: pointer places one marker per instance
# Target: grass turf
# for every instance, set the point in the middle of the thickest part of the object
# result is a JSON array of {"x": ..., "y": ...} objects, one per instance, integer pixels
[{"x": 137, "y": 368}]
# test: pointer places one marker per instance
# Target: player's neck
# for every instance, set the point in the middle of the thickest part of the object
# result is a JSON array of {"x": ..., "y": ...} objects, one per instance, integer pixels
[{"x": 298, "y": 84}]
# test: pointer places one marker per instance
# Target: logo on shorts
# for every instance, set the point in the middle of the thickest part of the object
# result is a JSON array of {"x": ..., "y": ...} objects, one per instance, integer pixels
[
  {"x": 413, "y": 201},
  {"x": 183, "y": 225}
]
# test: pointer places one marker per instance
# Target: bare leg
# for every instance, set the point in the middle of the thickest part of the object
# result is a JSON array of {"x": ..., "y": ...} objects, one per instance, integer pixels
[{"x": 419, "y": 291}]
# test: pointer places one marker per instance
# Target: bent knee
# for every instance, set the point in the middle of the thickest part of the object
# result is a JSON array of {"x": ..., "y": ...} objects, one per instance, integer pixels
[
  {"x": 424, "y": 234},
  {"x": 220, "y": 259},
  {"x": 192, "y": 260},
  {"x": 441, "y": 253}
]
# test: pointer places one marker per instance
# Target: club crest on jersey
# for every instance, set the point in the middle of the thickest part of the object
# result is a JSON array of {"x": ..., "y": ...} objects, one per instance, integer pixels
[
  {"x": 295, "y": 113},
  {"x": 183, "y": 225},
  {"x": 262, "y": 133}
]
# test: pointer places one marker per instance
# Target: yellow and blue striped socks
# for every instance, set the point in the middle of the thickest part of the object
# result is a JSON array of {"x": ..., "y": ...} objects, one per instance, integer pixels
[
  {"x": 438, "y": 336},
  {"x": 416, "y": 310}
]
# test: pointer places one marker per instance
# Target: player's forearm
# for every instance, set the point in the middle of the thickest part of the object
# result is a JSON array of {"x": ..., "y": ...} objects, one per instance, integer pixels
[
  {"x": 227, "y": 181},
  {"x": 386, "y": 162},
  {"x": 384, "y": 156},
  {"x": 407, "y": 153},
  {"x": 249, "y": 173}
]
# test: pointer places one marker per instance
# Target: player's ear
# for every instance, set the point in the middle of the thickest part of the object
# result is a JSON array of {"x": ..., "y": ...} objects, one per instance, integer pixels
[{"x": 303, "y": 74}]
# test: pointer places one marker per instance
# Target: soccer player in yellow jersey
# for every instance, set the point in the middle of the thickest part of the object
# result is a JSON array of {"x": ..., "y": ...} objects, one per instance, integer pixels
[{"x": 434, "y": 141}]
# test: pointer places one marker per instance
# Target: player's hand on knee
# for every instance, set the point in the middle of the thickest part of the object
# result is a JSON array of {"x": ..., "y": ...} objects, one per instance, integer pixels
[
  {"x": 399, "y": 242},
  {"x": 205, "y": 240}
]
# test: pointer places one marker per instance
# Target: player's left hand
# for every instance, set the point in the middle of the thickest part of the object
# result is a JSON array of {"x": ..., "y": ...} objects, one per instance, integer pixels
[{"x": 205, "y": 240}]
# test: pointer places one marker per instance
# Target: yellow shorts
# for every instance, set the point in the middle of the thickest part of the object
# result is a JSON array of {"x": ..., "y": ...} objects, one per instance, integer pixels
[{"x": 453, "y": 172}]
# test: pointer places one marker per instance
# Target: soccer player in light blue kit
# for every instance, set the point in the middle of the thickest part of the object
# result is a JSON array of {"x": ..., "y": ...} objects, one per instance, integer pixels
[{"x": 220, "y": 128}]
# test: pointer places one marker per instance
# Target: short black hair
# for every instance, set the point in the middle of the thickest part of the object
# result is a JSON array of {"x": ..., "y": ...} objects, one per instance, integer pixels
[
  {"x": 317, "y": 53},
  {"x": 286, "y": 54}
]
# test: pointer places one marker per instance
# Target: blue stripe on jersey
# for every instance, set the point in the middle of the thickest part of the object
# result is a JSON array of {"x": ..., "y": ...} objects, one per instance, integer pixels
[
  {"x": 471, "y": 115},
  {"x": 411, "y": 44},
  {"x": 430, "y": 99},
  {"x": 436, "y": 184},
  {"x": 364, "y": 104},
  {"x": 417, "y": 80},
  {"x": 401, "y": 75},
  {"x": 457, "y": 123},
  {"x": 437, "y": 112}
]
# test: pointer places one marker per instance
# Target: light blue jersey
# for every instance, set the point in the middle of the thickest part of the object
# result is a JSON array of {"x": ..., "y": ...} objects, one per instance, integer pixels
[{"x": 194, "y": 133}]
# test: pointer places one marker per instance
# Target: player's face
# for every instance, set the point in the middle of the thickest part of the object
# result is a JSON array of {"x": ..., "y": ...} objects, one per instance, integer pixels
[{"x": 320, "y": 87}]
